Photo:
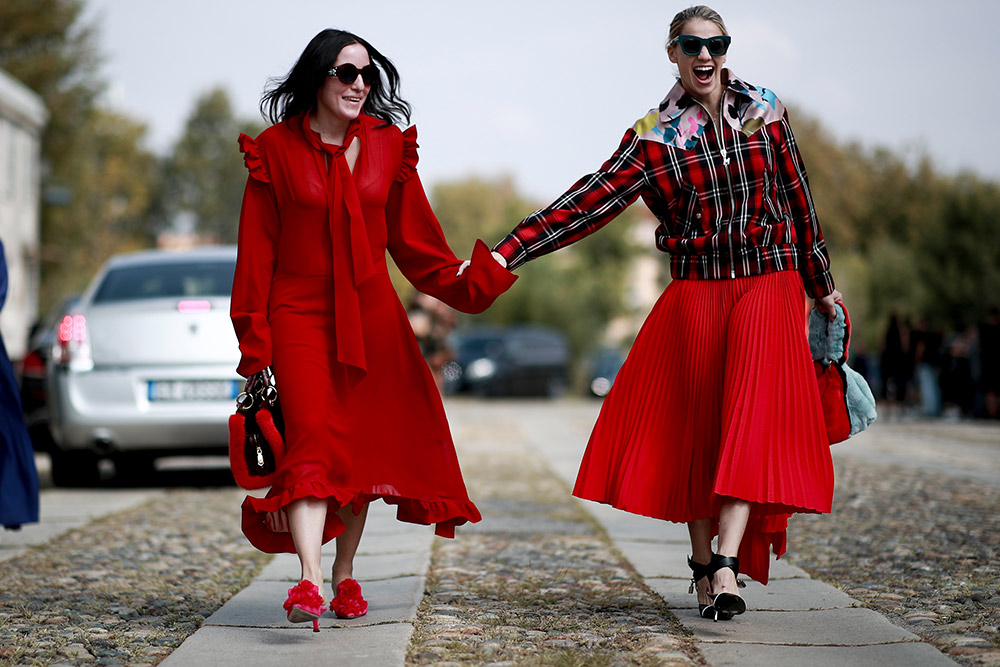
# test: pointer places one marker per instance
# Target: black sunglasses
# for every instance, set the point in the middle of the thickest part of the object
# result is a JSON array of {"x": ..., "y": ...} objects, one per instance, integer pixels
[
  {"x": 348, "y": 73},
  {"x": 691, "y": 45}
]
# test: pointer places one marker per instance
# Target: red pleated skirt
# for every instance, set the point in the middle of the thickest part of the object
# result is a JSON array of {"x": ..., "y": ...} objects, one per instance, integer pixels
[{"x": 717, "y": 399}]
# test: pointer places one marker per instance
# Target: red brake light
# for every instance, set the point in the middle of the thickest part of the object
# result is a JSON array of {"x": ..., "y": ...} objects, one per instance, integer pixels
[
  {"x": 73, "y": 349},
  {"x": 33, "y": 365},
  {"x": 73, "y": 328}
]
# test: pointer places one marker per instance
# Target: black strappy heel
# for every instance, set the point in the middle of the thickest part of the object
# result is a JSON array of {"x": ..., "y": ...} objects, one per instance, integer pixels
[
  {"x": 726, "y": 605},
  {"x": 699, "y": 572}
]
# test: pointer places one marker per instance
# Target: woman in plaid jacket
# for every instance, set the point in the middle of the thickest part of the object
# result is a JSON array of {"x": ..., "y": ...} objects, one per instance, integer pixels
[{"x": 715, "y": 419}]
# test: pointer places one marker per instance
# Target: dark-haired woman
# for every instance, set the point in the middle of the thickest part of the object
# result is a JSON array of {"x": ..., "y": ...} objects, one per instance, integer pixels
[
  {"x": 332, "y": 185},
  {"x": 715, "y": 418}
]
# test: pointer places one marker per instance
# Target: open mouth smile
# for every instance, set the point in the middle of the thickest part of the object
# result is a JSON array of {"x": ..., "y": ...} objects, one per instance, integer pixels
[{"x": 704, "y": 74}]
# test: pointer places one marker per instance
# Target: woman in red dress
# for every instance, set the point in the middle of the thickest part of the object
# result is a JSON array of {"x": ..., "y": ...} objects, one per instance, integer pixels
[
  {"x": 332, "y": 186},
  {"x": 715, "y": 419}
]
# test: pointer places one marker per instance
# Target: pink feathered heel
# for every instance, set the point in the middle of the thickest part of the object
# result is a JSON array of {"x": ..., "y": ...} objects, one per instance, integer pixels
[
  {"x": 348, "y": 602},
  {"x": 305, "y": 604}
]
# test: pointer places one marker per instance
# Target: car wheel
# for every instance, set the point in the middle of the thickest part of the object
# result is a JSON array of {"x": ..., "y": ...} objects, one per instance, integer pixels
[
  {"x": 134, "y": 469},
  {"x": 41, "y": 438},
  {"x": 75, "y": 469}
]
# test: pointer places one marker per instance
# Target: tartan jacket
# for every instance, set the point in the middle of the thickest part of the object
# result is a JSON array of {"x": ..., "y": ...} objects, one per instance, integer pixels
[{"x": 732, "y": 200}]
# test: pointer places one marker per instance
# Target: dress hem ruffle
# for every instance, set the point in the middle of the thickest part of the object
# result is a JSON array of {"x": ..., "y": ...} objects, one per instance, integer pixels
[{"x": 445, "y": 514}]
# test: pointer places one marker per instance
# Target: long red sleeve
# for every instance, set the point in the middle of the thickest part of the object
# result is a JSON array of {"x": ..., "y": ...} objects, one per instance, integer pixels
[
  {"x": 418, "y": 246},
  {"x": 255, "y": 262}
]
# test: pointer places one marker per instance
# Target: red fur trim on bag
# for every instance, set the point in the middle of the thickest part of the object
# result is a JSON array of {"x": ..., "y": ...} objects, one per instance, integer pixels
[
  {"x": 266, "y": 422},
  {"x": 237, "y": 432},
  {"x": 237, "y": 463}
]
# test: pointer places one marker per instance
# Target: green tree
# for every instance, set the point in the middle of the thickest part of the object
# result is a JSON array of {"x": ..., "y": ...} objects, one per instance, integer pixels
[
  {"x": 959, "y": 256},
  {"x": 903, "y": 238},
  {"x": 204, "y": 176},
  {"x": 46, "y": 45},
  {"x": 112, "y": 188}
]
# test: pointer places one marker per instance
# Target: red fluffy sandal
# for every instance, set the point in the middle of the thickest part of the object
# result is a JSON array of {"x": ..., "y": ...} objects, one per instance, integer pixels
[
  {"x": 348, "y": 602},
  {"x": 305, "y": 604}
]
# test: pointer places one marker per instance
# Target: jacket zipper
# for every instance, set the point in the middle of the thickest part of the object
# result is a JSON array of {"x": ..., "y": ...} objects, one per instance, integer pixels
[{"x": 729, "y": 183}]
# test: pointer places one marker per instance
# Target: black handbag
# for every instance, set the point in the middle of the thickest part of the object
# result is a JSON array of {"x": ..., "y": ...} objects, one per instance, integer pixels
[{"x": 256, "y": 433}]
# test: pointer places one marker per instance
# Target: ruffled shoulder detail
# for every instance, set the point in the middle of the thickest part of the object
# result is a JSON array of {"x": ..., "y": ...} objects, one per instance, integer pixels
[
  {"x": 410, "y": 158},
  {"x": 252, "y": 159}
]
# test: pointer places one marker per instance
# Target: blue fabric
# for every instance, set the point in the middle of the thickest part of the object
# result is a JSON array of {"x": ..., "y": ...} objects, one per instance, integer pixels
[
  {"x": 826, "y": 338},
  {"x": 828, "y": 341},
  {"x": 18, "y": 476},
  {"x": 860, "y": 401}
]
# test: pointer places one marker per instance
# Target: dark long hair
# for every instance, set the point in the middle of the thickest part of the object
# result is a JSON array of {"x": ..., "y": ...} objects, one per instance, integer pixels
[{"x": 296, "y": 93}]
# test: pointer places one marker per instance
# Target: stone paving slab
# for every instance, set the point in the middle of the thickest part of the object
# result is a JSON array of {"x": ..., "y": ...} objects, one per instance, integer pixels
[
  {"x": 669, "y": 560},
  {"x": 779, "y": 595},
  {"x": 371, "y": 567},
  {"x": 855, "y": 626},
  {"x": 776, "y": 633},
  {"x": 883, "y": 655},
  {"x": 259, "y": 605},
  {"x": 370, "y": 646},
  {"x": 621, "y": 525},
  {"x": 251, "y": 628}
]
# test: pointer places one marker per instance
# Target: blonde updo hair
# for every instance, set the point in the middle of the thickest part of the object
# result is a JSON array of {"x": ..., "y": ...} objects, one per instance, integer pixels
[{"x": 696, "y": 12}]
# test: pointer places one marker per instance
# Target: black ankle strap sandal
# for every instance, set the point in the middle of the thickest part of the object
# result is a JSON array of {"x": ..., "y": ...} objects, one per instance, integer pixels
[
  {"x": 699, "y": 572},
  {"x": 726, "y": 605}
]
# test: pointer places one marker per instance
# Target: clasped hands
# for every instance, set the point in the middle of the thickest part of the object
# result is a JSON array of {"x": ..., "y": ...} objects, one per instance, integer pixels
[{"x": 497, "y": 256}]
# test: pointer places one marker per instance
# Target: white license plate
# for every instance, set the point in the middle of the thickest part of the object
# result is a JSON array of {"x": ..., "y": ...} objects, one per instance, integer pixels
[{"x": 193, "y": 390}]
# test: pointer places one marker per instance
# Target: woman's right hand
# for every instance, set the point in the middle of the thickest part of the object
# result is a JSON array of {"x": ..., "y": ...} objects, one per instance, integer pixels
[
  {"x": 827, "y": 305},
  {"x": 253, "y": 381}
]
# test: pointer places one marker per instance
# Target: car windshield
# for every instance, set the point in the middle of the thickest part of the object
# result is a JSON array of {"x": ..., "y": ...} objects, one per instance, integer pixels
[
  {"x": 474, "y": 348},
  {"x": 167, "y": 280}
]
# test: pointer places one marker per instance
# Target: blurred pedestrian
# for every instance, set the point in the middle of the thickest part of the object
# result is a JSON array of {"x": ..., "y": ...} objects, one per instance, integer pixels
[
  {"x": 989, "y": 360},
  {"x": 715, "y": 418},
  {"x": 925, "y": 343},
  {"x": 332, "y": 186},
  {"x": 896, "y": 363},
  {"x": 18, "y": 476},
  {"x": 432, "y": 322},
  {"x": 959, "y": 372}
]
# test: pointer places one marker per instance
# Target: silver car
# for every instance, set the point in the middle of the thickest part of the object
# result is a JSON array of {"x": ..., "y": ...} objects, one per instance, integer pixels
[{"x": 144, "y": 364}]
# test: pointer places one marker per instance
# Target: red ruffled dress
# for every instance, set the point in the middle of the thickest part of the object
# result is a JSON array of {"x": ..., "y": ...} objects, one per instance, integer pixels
[{"x": 312, "y": 299}]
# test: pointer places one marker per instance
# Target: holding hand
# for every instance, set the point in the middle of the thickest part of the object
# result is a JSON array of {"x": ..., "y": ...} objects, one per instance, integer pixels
[
  {"x": 497, "y": 256},
  {"x": 826, "y": 304},
  {"x": 277, "y": 522}
]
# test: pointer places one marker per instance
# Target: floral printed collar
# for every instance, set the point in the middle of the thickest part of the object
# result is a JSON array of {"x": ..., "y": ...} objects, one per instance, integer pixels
[{"x": 680, "y": 121}]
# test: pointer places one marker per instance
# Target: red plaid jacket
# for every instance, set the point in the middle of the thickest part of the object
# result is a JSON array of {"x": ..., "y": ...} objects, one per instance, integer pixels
[{"x": 732, "y": 201}]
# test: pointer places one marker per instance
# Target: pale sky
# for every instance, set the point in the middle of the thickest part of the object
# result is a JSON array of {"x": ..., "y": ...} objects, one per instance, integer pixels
[{"x": 543, "y": 90}]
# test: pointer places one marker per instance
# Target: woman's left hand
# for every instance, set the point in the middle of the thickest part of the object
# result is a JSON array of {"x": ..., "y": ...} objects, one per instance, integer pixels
[
  {"x": 826, "y": 304},
  {"x": 277, "y": 522}
]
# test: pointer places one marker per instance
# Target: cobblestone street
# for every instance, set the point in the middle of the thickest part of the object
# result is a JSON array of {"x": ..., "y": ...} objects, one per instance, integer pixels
[{"x": 543, "y": 579}]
